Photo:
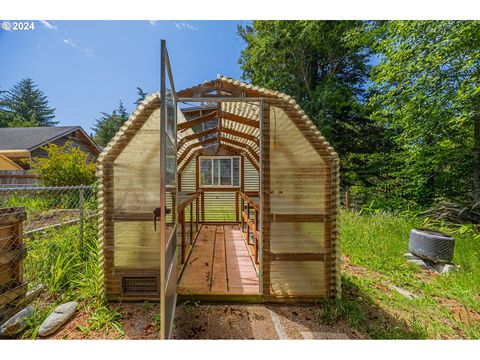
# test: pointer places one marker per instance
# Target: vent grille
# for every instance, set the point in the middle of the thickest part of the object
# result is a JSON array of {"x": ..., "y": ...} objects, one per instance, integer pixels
[{"x": 140, "y": 286}]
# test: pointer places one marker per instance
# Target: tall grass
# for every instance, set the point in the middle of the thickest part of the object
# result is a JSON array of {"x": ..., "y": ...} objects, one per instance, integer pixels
[
  {"x": 377, "y": 241},
  {"x": 69, "y": 272}
]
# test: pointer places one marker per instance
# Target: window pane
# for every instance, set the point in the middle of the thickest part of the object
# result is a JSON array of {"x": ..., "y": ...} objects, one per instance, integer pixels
[
  {"x": 206, "y": 171},
  {"x": 215, "y": 171},
  {"x": 226, "y": 172},
  {"x": 236, "y": 171}
]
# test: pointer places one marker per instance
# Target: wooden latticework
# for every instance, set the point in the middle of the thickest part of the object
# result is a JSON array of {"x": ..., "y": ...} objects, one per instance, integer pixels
[{"x": 284, "y": 158}]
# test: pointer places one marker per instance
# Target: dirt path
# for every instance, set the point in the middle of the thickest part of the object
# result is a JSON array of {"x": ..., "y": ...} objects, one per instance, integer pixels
[{"x": 266, "y": 322}]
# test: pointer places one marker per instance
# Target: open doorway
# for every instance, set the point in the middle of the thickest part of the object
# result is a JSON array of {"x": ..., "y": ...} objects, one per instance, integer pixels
[{"x": 220, "y": 251}]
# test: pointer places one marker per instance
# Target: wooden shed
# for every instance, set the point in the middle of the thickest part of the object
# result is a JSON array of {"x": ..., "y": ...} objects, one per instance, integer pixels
[{"x": 245, "y": 195}]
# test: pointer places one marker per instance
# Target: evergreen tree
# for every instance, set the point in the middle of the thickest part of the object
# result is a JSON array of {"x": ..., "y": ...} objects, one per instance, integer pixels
[
  {"x": 25, "y": 105},
  {"x": 108, "y": 124},
  {"x": 141, "y": 95}
]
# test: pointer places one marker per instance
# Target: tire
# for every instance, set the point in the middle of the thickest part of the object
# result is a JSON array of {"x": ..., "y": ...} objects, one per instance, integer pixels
[{"x": 431, "y": 245}]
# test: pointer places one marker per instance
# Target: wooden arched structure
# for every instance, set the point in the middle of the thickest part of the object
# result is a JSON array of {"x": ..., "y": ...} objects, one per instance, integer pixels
[{"x": 283, "y": 155}]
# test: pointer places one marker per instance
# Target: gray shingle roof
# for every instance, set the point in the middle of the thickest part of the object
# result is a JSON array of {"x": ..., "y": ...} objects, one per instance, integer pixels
[{"x": 31, "y": 137}]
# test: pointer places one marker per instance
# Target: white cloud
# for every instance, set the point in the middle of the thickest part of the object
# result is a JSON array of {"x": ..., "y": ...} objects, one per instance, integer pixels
[
  {"x": 48, "y": 25},
  {"x": 73, "y": 44},
  {"x": 185, "y": 26},
  {"x": 153, "y": 22}
]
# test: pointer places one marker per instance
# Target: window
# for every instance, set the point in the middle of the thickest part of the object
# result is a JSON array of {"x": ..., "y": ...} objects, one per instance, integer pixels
[{"x": 220, "y": 171}]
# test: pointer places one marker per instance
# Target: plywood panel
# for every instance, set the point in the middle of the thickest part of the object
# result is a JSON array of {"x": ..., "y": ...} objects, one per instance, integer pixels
[
  {"x": 297, "y": 237},
  {"x": 137, "y": 169},
  {"x": 136, "y": 245},
  {"x": 297, "y": 172},
  {"x": 297, "y": 278}
]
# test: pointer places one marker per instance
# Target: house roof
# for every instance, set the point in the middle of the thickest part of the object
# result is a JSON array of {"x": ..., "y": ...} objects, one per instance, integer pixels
[{"x": 30, "y": 138}]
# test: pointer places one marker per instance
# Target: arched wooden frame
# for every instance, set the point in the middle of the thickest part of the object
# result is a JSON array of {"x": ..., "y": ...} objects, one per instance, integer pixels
[
  {"x": 195, "y": 145},
  {"x": 217, "y": 131},
  {"x": 252, "y": 152}
]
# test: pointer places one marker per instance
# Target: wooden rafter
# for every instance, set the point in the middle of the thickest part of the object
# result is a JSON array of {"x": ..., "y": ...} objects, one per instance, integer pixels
[
  {"x": 197, "y": 121},
  {"x": 253, "y": 153},
  {"x": 220, "y": 86},
  {"x": 240, "y": 134},
  {"x": 182, "y": 168},
  {"x": 243, "y": 153},
  {"x": 197, "y": 135},
  {"x": 240, "y": 119},
  {"x": 195, "y": 145}
]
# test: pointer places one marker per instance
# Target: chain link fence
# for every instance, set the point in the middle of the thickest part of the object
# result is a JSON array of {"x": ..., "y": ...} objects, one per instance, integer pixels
[{"x": 49, "y": 247}]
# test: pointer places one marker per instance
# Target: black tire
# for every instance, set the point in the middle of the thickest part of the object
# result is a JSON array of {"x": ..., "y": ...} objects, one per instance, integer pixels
[{"x": 431, "y": 245}]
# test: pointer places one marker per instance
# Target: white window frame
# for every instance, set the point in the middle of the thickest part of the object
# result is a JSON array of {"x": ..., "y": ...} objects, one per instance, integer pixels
[{"x": 200, "y": 158}]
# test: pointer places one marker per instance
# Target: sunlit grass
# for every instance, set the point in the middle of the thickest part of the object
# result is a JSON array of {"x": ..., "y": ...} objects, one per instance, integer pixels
[{"x": 377, "y": 242}]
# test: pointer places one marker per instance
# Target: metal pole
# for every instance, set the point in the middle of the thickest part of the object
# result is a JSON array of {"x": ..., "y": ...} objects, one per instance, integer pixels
[{"x": 80, "y": 205}]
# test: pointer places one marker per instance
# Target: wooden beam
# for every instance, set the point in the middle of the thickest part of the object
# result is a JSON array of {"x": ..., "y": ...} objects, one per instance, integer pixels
[
  {"x": 300, "y": 218},
  {"x": 186, "y": 162},
  {"x": 265, "y": 199},
  {"x": 240, "y": 119},
  {"x": 253, "y": 153},
  {"x": 194, "y": 136},
  {"x": 298, "y": 256},
  {"x": 193, "y": 146},
  {"x": 197, "y": 121},
  {"x": 245, "y": 153},
  {"x": 240, "y": 134}
]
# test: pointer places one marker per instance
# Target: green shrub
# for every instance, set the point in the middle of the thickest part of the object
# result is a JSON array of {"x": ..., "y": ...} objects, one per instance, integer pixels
[{"x": 64, "y": 165}]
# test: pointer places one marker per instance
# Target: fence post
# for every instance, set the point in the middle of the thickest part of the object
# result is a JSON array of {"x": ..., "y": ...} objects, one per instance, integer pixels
[
  {"x": 80, "y": 205},
  {"x": 347, "y": 200}
]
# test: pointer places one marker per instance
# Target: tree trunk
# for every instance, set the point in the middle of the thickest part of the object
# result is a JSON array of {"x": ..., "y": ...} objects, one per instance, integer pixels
[{"x": 476, "y": 151}]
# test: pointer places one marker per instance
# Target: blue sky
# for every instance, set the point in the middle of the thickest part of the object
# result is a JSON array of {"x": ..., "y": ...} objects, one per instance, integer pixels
[{"x": 86, "y": 67}]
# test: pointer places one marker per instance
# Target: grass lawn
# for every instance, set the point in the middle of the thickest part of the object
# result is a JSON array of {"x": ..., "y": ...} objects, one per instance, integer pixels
[{"x": 445, "y": 306}]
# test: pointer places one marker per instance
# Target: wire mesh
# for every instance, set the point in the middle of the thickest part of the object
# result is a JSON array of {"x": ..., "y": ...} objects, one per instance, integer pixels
[{"x": 49, "y": 245}]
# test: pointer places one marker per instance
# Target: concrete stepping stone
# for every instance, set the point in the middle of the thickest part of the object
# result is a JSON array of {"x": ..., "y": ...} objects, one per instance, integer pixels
[{"x": 57, "y": 318}]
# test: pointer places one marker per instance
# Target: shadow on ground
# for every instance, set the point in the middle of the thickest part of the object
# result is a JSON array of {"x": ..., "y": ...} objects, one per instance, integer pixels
[{"x": 364, "y": 317}]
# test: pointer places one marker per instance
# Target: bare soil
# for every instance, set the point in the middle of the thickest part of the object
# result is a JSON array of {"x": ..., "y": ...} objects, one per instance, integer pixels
[{"x": 239, "y": 322}]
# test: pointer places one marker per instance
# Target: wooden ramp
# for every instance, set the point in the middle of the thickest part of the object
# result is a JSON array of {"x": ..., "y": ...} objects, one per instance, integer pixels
[{"x": 219, "y": 264}]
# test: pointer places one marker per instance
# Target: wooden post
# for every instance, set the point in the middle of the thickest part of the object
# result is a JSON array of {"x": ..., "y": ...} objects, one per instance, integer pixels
[
  {"x": 236, "y": 206},
  {"x": 191, "y": 223},
  {"x": 242, "y": 209},
  {"x": 347, "y": 200},
  {"x": 265, "y": 198},
  {"x": 203, "y": 207},
  {"x": 248, "y": 227},
  {"x": 197, "y": 212},
  {"x": 255, "y": 223},
  {"x": 182, "y": 222}
]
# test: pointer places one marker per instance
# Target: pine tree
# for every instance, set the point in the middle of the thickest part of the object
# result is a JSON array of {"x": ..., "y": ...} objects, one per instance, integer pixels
[
  {"x": 141, "y": 95},
  {"x": 25, "y": 105},
  {"x": 108, "y": 124}
]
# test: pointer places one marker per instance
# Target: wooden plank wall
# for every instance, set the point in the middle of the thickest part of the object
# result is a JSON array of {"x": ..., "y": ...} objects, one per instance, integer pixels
[
  {"x": 299, "y": 220},
  {"x": 137, "y": 191}
]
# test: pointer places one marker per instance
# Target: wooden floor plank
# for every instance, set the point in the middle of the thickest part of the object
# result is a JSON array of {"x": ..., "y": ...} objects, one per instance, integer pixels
[
  {"x": 197, "y": 274},
  {"x": 219, "y": 282},
  {"x": 219, "y": 263}
]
